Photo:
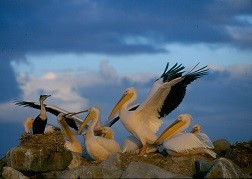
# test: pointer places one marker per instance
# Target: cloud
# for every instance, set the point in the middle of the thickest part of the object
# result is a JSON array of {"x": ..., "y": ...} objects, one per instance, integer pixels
[
  {"x": 119, "y": 28},
  {"x": 220, "y": 101},
  {"x": 9, "y": 87}
]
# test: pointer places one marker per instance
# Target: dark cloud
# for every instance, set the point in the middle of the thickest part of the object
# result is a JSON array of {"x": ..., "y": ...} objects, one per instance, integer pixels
[
  {"x": 133, "y": 27},
  {"x": 102, "y": 27},
  {"x": 9, "y": 87}
]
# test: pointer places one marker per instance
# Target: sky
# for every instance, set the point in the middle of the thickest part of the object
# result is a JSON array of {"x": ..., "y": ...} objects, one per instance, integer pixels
[{"x": 85, "y": 53}]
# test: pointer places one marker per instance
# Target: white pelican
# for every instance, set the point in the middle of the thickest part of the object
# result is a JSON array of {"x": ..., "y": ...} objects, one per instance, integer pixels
[
  {"x": 72, "y": 143},
  {"x": 51, "y": 128},
  {"x": 133, "y": 145},
  {"x": 177, "y": 143},
  {"x": 166, "y": 94},
  {"x": 28, "y": 124},
  {"x": 106, "y": 132},
  {"x": 99, "y": 148}
]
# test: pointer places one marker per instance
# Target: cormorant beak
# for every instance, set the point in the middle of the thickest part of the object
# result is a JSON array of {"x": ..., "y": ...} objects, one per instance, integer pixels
[
  {"x": 170, "y": 131},
  {"x": 124, "y": 99}
]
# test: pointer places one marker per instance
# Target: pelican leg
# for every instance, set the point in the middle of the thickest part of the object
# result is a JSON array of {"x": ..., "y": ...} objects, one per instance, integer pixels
[{"x": 143, "y": 150}]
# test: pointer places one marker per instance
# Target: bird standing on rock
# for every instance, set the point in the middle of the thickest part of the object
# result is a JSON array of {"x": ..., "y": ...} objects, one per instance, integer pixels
[
  {"x": 166, "y": 94},
  {"x": 38, "y": 126}
]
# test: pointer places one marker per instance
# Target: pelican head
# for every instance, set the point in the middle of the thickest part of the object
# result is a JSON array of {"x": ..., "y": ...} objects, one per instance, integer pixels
[
  {"x": 43, "y": 97},
  {"x": 129, "y": 93},
  {"x": 179, "y": 125},
  {"x": 196, "y": 129},
  {"x": 93, "y": 113},
  {"x": 106, "y": 132}
]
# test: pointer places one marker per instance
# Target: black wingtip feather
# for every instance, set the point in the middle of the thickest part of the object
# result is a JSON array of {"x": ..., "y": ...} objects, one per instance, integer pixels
[{"x": 174, "y": 72}]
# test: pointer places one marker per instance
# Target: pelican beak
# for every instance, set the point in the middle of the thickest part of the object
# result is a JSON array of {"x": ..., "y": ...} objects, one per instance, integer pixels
[
  {"x": 124, "y": 98},
  {"x": 90, "y": 116},
  {"x": 74, "y": 113},
  {"x": 170, "y": 131},
  {"x": 193, "y": 130}
]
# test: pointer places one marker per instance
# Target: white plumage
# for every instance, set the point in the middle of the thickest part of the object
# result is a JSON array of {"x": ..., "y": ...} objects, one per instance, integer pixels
[
  {"x": 99, "y": 148},
  {"x": 71, "y": 143},
  {"x": 133, "y": 145},
  {"x": 188, "y": 143},
  {"x": 166, "y": 94}
]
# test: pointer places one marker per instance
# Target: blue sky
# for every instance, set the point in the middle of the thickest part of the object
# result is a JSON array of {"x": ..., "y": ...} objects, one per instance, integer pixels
[{"x": 86, "y": 53}]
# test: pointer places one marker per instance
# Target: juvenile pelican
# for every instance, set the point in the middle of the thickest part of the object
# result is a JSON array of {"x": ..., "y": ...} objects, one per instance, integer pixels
[
  {"x": 166, "y": 94},
  {"x": 177, "y": 143},
  {"x": 72, "y": 143},
  {"x": 38, "y": 125},
  {"x": 99, "y": 148}
]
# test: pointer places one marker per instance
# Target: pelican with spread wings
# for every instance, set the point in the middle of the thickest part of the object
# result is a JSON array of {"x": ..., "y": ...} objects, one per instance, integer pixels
[{"x": 166, "y": 94}]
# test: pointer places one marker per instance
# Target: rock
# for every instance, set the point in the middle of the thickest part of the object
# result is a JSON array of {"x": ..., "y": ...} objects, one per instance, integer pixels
[
  {"x": 9, "y": 173},
  {"x": 202, "y": 168},
  {"x": 185, "y": 165},
  {"x": 3, "y": 163},
  {"x": 109, "y": 168},
  {"x": 220, "y": 168},
  {"x": 113, "y": 164},
  {"x": 241, "y": 154},
  {"x": 88, "y": 172},
  {"x": 76, "y": 161},
  {"x": 54, "y": 174},
  {"x": 221, "y": 146},
  {"x": 37, "y": 160},
  {"x": 145, "y": 170}
]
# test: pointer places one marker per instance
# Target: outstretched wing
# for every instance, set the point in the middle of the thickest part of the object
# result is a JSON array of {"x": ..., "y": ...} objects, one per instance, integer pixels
[
  {"x": 72, "y": 121},
  {"x": 178, "y": 91},
  {"x": 110, "y": 122}
]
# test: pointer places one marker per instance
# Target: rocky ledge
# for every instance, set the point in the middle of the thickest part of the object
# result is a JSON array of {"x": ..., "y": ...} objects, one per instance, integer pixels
[{"x": 24, "y": 161}]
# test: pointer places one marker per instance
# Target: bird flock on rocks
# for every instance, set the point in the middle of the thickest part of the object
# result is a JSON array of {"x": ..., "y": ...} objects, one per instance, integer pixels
[{"x": 141, "y": 120}]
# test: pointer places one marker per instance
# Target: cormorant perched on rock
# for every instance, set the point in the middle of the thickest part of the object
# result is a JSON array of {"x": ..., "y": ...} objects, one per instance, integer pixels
[{"x": 40, "y": 121}]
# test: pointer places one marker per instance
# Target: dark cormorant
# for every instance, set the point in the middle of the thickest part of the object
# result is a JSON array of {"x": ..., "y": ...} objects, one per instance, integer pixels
[{"x": 38, "y": 126}]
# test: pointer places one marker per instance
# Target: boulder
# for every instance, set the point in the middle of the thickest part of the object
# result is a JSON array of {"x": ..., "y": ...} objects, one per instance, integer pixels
[
  {"x": 109, "y": 168},
  {"x": 39, "y": 153},
  {"x": 37, "y": 160},
  {"x": 3, "y": 163},
  {"x": 9, "y": 173},
  {"x": 221, "y": 146},
  {"x": 145, "y": 170},
  {"x": 76, "y": 161},
  {"x": 88, "y": 172},
  {"x": 241, "y": 154},
  {"x": 113, "y": 164},
  {"x": 185, "y": 165},
  {"x": 220, "y": 168}
]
